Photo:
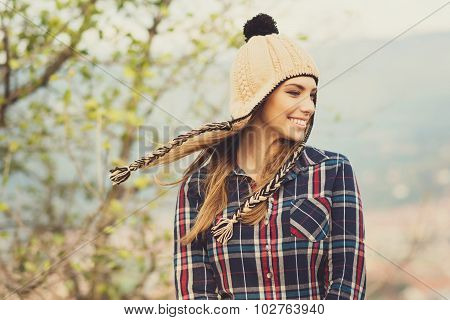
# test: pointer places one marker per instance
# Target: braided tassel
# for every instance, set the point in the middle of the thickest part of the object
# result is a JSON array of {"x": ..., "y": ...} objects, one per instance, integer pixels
[
  {"x": 121, "y": 174},
  {"x": 223, "y": 230}
]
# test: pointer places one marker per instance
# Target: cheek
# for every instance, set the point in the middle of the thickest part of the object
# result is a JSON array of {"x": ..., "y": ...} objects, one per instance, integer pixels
[
  {"x": 275, "y": 118},
  {"x": 275, "y": 114}
]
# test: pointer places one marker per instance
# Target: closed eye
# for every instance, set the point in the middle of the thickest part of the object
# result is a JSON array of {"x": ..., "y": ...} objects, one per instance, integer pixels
[{"x": 296, "y": 93}]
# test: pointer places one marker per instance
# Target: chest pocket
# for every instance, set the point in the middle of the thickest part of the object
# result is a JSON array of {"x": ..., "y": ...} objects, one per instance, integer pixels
[{"x": 309, "y": 218}]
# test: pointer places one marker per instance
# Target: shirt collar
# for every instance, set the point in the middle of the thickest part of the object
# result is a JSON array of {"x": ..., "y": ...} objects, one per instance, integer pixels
[
  {"x": 238, "y": 170},
  {"x": 311, "y": 156}
]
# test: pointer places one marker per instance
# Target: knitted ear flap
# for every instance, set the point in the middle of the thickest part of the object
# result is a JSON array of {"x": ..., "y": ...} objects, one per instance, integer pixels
[
  {"x": 223, "y": 230},
  {"x": 121, "y": 174}
]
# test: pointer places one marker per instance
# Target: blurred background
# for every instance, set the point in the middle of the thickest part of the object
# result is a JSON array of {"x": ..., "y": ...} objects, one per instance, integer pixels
[{"x": 87, "y": 85}]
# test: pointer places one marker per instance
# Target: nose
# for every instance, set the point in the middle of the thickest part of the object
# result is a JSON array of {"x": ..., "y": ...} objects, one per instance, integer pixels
[
  {"x": 308, "y": 111},
  {"x": 306, "y": 107}
]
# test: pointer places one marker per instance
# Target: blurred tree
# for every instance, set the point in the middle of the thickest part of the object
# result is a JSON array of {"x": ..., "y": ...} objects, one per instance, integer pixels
[{"x": 64, "y": 114}]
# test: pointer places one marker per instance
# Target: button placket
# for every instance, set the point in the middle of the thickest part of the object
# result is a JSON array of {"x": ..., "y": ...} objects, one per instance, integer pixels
[
  {"x": 268, "y": 248},
  {"x": 269, "y": 275},
  {"x": 269, "y": 211}
]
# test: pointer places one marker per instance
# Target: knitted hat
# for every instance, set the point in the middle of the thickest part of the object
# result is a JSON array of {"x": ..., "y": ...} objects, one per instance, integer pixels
[{"x": 262, "y": 63}]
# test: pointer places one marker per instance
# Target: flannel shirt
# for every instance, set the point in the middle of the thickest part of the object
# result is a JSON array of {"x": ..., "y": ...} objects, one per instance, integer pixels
[{"x": 309, "y": 246}]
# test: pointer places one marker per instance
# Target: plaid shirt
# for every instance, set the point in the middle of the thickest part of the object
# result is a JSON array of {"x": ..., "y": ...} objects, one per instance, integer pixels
[{"x": 310, "y": 245}]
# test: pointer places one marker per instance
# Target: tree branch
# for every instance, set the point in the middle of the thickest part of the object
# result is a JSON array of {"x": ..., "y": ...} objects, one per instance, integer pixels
[{"x": 87, "y": 11}]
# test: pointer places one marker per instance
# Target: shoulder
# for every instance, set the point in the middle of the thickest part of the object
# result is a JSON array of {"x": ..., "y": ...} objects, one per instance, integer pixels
[
  {"x": 334, "y": 163},
  {"x": 337, "y": 167},
  {"x": 313, "y": 155}
]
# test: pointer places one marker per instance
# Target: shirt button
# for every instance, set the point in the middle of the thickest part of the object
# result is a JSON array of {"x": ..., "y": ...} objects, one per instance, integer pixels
[
  {"x": 269, "y": 275},
  {"x": 266, "y": 222},
  {"x": 267, "y": 247}
]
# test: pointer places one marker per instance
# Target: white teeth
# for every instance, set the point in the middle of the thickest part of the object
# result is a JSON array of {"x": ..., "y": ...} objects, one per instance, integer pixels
[{"x": 298, "y": 121}]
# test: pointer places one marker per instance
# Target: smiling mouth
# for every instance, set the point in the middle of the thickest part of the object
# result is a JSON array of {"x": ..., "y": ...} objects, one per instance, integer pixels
[{"x": 298, "y": 122}]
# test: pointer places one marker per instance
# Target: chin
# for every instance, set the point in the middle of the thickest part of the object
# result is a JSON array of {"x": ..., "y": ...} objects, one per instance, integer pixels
[
  {"x": 295, "y": 137},
  {"x": 300, "y": 138}
]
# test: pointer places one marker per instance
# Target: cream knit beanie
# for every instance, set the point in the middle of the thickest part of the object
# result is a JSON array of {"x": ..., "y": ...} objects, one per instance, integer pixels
[{"x": 262, "y": 63}]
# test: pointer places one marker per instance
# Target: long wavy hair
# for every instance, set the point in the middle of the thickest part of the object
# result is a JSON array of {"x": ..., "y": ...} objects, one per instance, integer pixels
[{"x": 220, "y": 157}]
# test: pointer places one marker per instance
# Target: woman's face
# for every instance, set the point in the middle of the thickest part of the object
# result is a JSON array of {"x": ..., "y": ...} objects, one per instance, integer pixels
[{"x": 290, "y": 107}]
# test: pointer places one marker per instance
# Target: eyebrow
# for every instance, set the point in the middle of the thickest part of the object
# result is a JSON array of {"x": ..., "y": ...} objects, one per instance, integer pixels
[{"x": 299, "y": 86}]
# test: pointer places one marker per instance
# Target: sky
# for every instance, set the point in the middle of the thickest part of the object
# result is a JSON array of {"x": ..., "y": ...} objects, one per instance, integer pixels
[
  {"x": 322, "y": 20},
  {"x": 345, "y": 20}
]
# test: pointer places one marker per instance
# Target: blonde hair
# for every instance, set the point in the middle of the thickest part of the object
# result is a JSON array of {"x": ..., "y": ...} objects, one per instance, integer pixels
[
  {"x": 222, "y": 157},
  {"x": 217, "y": 142}
]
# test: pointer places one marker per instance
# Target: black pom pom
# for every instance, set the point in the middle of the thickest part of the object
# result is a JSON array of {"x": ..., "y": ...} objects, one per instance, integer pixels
[{"x": 260, "y": 25}]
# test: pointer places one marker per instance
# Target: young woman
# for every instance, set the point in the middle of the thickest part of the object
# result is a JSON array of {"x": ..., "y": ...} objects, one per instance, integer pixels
[{"x": 259, "y": 214}]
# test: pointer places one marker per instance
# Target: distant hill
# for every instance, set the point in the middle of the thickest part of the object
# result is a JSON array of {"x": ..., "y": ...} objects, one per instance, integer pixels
[{"x": 394, "y": 115}]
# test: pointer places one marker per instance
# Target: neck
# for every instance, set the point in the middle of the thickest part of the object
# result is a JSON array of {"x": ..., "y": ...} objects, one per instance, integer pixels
[{"x": 255, "y": 148}]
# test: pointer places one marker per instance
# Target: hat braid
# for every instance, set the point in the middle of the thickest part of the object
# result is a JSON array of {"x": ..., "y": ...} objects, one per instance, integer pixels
[
  {"x": 120, "y": 174},
  {"x": 223, "y": 230}
]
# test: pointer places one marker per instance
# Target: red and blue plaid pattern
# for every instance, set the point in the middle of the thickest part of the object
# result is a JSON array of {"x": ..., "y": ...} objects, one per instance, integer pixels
[{"x": 309, "y": 246}]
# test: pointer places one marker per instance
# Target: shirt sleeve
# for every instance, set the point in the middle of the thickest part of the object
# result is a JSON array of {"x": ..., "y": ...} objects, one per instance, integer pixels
[
  {"x": 346, "y": 267},
  {"x": 194, "y": 277}
]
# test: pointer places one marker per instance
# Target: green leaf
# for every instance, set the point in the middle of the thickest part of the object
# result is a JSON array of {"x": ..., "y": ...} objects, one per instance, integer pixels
[
  {"x": 115, "y": 206},
  {"x": 76, "y": 266},
  {"x": 167, "y": 235},
  {"x": 3, "y": 207},
  {"x": 148, "y": 73},
  {"x": 29, "y": 266},
  {"x": 101, "y": 288},
  {"x": 337, "y": 117},
  {"x": 85, "y": 72},
  {"x": 58, "y": 238},
  {"x": 141, "y": 182},
  {"x": 59, "y": 4},
  {"x": 129, "y": 72},
  {"x": 133, "y": 119},
  {"x": 108, "y": 229},
  {"x": 124, "y": 254},
  {"x": 46, "y": 265},
  {"x": 14, "y": 64},
  {"x": 106, "y": 145},
  {"x": 67, "y": 96},
  {"x": 164, "y": 10},
  {"x": 69, "y": 284},
  {"x": 115, "y": 115},
  {"x": 91, "y": 104},
  {"x": 87, "y": 126},
  {"x": 13, "y": 146},
  {"x": 24, "y": 125}
]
